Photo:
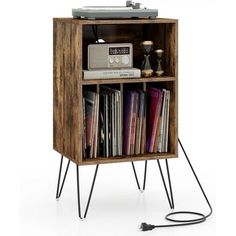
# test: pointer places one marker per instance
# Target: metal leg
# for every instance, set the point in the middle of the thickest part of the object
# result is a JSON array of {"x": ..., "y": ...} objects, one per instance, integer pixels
[
  {"x": 144, "y": 178},
  {"x": 169, "y": 180},
  {"x": 90, "y": 194},
  {"x": 195, "y": 175},
  {"x": 170, "y": 200},
  {"x": 59, "y": 189},
  {"x": 135, "y": 174},
  {"x": 78, "y": 192},
  {"x": 145, "y": 173},
  {"x": 91, "y": 191}
]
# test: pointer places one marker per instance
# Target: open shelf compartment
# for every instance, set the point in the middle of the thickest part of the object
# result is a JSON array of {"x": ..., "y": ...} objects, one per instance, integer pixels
[
  {"x": 172, "y": 133},
  {"x": 162, "y": 35},
  {"x": 70, "y": 39}
]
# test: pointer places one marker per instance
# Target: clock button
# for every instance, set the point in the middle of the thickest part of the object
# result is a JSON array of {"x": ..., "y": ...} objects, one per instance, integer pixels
[
  {"x": 125, "y": 60},
  {"x": 111, "y": 60}
]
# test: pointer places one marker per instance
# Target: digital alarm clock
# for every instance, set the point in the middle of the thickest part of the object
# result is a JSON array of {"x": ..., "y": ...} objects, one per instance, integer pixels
[{"x": 110, "y": 55}]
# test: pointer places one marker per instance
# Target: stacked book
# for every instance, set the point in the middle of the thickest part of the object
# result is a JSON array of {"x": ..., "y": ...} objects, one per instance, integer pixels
[
  {"x": 102, "y": 123},
  {"x": 90, "y": 118},
  {"x": 112, "y": 73},
  {"x": 158, "y": 120},
  {"x": 134, "y": 117},
  {"x": 110, "y": 122},
  {"x": 144, "y": 128},
  {"x": 139, "y": 137}
]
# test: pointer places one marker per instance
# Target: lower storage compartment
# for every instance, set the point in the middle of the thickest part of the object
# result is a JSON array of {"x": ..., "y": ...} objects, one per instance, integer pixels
[{"x": 129, "y": 120}]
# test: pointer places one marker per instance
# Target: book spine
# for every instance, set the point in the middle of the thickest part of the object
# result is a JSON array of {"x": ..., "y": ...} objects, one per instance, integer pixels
[
  {"x": 110, "y": 124},
  {"x": 143, "y": 136},
  {"x": 157, "y": 132},
  {"x": 115, "y": 135},
  {"x": 157, "y": 104},
  {"x": 91, "y": 154},
  {"x": 111, "y": 74},
  {"x": 141, "y": 115},
  {"x": 133, "y": 124},
  {"x": 106, "y": 125},
  {"x": 164, "y": 124},
  {"x": 130, "y": 124},
  {"x": 84, "y": 131},
  {"x": 102, "y": 125},
  {"x": 167, "y": 120},
  {"x": 117, "y": 124},
  {"x": 157, "y": 123},
  {"x": 96, "y": 126},
  {"x": 126, "y": 121},
  {"x": 154, "y": 95},
  {"x": 139, "y": 123},
  {"x": 120, "y": 124},
  {"x": 89, "y": 107},
  {"x": 161, "y": 130}
]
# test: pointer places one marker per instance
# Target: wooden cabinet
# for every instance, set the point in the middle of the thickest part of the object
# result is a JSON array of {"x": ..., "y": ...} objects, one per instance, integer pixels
[{"x": 70, "y": 40}]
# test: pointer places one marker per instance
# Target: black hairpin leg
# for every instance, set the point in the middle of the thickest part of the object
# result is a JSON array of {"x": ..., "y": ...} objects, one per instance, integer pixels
[
  {"x": 145, "y": 174},
  {"x": 135, "y": 175},
  {"x": 169, "y": 180},
  {"x": 169, "y": 197},
  {"x": 59, "y": 189},
  {"x": 90, "y": 194},
  {"x": 136, "y": 178}
]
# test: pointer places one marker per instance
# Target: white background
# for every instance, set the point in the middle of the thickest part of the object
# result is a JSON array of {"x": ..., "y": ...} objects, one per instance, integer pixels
[{"x": 29, "y": 166}]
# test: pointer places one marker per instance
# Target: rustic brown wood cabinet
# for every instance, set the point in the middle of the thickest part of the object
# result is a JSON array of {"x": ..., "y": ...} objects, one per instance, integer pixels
[{"x": 70, "y": 40}]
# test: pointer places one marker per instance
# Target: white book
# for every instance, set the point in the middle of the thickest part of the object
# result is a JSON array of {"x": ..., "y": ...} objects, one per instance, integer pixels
[
  {"x": 96, "y": 125},
  {"x": 106, "y": 125},
  {"x": 167, "y": 121},
  {"x": 113, "y": 124},
  {"x": 162, "y": 125},
  {"x": 119, "y": 125},
  {"x": 117, "y": 121},
  {"x": 112, "y": 73}
]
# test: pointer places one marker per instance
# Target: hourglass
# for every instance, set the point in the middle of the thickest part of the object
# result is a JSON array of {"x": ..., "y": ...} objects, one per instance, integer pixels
[
  {"x": 146, "y": 69},
  {"x": 159, "y": 70}
]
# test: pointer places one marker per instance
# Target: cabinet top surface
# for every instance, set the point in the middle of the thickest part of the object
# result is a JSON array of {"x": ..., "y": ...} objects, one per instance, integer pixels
[{"x": 115, "y": 21}]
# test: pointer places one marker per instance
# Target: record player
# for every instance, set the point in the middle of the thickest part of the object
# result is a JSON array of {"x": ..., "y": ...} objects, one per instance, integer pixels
[{"x": 131, "y": 10}]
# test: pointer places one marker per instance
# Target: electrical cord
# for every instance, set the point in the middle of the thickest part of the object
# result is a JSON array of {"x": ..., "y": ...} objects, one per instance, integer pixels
[
  {"x": 95, "y": 35},
  {"x": 95, "y": 32},
  {"x": 201, "y": 217}
]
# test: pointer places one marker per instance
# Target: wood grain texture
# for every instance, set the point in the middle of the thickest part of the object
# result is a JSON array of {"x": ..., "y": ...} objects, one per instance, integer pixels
[
  {"x": 67, "y": 91},
  {"x": 146, "y": 156},
  {"x": 133, "y": 80},
  {"x": 70, "y": 40},
  {"x": 57, "y": 88},
  {"x": 175, "y": 48},
  {"x": 172, "y": 47},
  {"x": 116, "y": 21}
]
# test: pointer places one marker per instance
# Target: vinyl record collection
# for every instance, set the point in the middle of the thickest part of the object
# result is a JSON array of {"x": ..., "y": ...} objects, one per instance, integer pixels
[{"x": 132, "y": 123}]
